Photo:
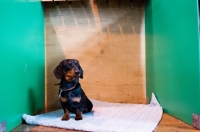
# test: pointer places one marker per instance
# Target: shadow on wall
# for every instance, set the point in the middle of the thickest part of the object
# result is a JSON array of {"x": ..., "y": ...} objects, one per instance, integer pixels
[
  {"x": 32, "y": 101},
  {"x": 108, "y": 42},
  {"x": 121, "y": 22},
  {"x": 149, "y": 47}
]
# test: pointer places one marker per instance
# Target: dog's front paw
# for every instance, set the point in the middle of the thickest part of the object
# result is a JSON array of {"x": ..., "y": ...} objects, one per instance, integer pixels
[
  {"x": 78, "y": 116},
  {"x": 66, "y": 117}
]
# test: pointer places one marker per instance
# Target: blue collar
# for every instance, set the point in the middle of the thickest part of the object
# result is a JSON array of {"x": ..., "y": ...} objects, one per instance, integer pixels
[{"x": 66, "y": 86}]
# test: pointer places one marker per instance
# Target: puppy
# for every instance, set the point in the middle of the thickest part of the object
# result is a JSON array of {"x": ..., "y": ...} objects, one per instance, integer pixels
[{"x": 72, "y": 97}]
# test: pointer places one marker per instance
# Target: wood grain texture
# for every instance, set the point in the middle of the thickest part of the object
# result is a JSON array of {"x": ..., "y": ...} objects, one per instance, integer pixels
[{"x": 108, "y": 41}]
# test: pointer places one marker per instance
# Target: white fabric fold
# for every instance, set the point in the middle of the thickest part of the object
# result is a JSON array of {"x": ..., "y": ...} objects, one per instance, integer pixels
[{"x": 106, "y": 117}]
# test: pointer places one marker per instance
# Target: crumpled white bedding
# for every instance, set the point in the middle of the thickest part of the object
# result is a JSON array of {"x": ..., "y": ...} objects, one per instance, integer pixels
[{"x": 106, "y": 117}]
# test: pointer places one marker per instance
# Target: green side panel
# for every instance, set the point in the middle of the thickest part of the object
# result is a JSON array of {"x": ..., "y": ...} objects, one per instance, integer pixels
[
  {"x": 172, "y": 56},
  {"x": 22, "y": 59}
]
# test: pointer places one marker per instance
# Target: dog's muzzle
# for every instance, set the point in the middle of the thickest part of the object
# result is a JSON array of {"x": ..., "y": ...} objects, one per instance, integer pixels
[
  {"x": 77, "y": 71},
  {"x": 72, "y": 74}
]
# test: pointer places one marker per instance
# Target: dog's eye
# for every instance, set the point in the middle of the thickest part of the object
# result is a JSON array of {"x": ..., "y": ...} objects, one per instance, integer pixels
[
  {"x": 76, "y": 62},
  {"x": 70, "y": 62}
]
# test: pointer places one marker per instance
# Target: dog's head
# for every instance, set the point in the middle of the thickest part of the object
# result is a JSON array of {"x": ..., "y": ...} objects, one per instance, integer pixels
[{"x": 69, "y": 69}]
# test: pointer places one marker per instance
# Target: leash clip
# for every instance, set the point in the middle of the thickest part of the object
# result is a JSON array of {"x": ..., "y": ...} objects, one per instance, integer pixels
[{"x": 60, "y": 93}]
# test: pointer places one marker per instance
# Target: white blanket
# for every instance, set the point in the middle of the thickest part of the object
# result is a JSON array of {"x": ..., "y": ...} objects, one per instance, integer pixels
[{"x": 106, "y": 117}]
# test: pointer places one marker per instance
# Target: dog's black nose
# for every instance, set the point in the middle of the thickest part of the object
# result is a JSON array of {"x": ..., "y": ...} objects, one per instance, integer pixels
[
  {"x": 76, "y": 69},
  {"x": 77, "y": 72}
]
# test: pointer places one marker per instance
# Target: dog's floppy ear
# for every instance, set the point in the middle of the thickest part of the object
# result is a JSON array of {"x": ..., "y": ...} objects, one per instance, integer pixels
[
  {"x": 58, "y": 72},
  {"x": 81, "y": 72},
  {"x": 80, "y": 69}
]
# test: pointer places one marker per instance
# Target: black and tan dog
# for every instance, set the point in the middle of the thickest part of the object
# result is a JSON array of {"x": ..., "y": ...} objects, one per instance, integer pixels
[{"x": 72, "y": 96}]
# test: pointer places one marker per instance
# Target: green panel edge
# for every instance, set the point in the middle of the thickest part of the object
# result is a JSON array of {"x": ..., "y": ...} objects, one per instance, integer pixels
[
  {"x": 22, "y": 60},
  {"x": 172, "y": 56}
]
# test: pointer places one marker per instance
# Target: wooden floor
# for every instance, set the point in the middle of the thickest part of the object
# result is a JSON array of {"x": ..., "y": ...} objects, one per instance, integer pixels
[{"x": 167, "y": 124}]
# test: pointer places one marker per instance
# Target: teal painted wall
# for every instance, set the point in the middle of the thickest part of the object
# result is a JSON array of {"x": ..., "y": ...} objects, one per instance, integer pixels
[
  {"x": 172, "y": 56},
  {"x": 21, "y": 59}
]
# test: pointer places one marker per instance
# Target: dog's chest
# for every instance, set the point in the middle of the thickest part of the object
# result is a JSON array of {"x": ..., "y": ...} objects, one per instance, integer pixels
[{"x": 71, "y": 96}]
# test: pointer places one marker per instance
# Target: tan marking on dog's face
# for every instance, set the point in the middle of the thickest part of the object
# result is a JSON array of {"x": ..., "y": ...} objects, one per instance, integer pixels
[
  {"x": 63, "y": 99},
  {"x": 70, "y": 75},
  {"x": 76, "y": 99}
]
